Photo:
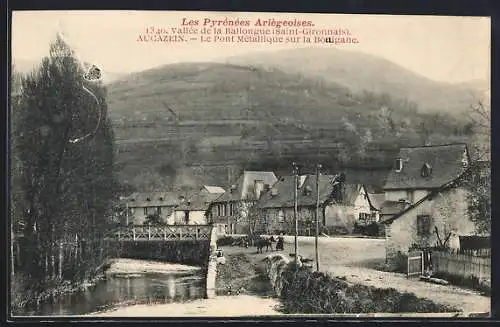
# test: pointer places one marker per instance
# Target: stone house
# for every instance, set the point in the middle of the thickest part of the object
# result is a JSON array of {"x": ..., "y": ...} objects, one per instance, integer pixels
[
  {"x": 341, "y": 205},
  {"x": 425, "y": 198},
  {"x": 140, "y": 205},
  {"x": 194, "y": 210},
  {"x": 229, "y": 212}
]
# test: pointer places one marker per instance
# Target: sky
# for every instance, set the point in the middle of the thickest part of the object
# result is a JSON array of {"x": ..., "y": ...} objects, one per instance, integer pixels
[{"x": 450, "y": 49}]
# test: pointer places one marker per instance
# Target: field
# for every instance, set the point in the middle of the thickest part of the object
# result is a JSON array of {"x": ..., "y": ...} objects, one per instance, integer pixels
[{"x": 356, "y": 259}]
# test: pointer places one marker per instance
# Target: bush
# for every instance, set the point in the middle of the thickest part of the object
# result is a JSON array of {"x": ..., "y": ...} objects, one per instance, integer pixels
[
  {"x": 334, "y": 230},
  {"x": 373, "y": 229},
  {"x": 315, "y": 292},
  {"x": 231, "y": 240}
]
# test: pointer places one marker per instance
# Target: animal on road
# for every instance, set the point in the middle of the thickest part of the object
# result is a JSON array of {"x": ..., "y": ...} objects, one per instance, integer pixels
[{"x": 262, "y": 242}]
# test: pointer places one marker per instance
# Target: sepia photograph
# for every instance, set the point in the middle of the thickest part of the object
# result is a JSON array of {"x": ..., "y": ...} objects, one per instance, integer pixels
[{"x": 249, "y": 164}]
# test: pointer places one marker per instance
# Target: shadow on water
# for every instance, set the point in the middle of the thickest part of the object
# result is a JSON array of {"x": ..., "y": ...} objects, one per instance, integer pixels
[{"x": 120, "y": 290}]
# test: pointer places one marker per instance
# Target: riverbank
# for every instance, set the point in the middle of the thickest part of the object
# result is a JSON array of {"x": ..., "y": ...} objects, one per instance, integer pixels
[
  {"x": 221, "y": 306},
  {"x": 241, "y": 286},
  {"x": 242, "y": 275},
  {"x": 25, "y": 297},
  {"x": 132, "y": 266}
]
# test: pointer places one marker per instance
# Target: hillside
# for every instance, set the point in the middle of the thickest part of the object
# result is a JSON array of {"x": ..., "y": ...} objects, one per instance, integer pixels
[
  {"x": 359, "y": 71},
  {"x": 187, "y": 123}
]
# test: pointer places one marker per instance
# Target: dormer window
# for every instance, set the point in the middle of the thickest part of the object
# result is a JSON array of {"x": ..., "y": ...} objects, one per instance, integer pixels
[
  {"x": 148, "y": 199},
  {"x": 426, "y": 170},
  {"x": 399, "y": 165},
  {"x": 161, "y": 199}
]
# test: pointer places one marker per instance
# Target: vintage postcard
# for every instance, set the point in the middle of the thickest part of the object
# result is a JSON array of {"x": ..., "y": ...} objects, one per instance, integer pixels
[{"x": 244, "y": 164}]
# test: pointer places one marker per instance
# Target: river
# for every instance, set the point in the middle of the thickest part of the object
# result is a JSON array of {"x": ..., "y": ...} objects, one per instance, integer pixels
[{"x": 125, "y": 288}]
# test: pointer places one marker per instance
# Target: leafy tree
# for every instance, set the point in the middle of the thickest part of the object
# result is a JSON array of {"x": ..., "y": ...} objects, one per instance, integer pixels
[
  {"x": 66, "y": 181},
  {"x": 480, "y": 182},
  {"x": 153, "y": 219},
  {"x": 479, "y": 199}
]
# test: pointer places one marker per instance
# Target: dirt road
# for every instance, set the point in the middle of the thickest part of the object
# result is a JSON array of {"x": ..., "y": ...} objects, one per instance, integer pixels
[{"x": 356, "y": 259}]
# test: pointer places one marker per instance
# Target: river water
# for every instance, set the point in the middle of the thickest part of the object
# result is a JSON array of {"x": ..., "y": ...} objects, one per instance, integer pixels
[{"x": 125, "y": 289}]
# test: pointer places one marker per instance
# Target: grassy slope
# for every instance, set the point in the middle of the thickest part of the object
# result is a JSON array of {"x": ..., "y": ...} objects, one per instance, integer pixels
[{"x": 242, "y": 115}]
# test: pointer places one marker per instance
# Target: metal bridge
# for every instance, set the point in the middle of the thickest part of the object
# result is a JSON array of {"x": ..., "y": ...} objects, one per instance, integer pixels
[{"x": 161, "y": 233}]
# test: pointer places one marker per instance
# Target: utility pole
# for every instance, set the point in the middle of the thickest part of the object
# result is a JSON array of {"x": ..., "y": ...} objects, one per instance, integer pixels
[
  {"x": 318, "y": 167},
  {"x": 295, "y": 215},
  {"x": 126, "y": 213}
]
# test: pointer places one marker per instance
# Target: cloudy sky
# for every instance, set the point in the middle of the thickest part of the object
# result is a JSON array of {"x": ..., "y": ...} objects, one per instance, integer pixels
[{"x": 452, "y": 49}]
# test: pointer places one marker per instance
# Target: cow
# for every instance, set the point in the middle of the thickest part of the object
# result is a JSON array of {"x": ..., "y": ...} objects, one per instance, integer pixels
[{"x": 262, "y": 242}]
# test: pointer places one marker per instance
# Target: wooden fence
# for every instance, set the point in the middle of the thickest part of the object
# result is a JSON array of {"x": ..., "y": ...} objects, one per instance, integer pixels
[{"x": 463, "y": 265}]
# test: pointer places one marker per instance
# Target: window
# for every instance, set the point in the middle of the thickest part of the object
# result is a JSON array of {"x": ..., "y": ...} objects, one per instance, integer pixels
[
  {"x": 423, "y": 225},
  {"x": 399, "y": 165},
  {"x": 145, "y": 210},
  {"x": 218, "y": 210},
  {"x": 281, "y": 216},
  {"x": 364, "y": 216},
  {"x": 158, "y": 210}
]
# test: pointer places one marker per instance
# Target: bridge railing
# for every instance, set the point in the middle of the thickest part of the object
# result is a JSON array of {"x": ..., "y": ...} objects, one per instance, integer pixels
[{"x": 161, "y": 233}]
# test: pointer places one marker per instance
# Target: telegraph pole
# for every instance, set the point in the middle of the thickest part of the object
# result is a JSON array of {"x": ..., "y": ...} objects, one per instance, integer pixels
[
  {"x": 126, "y": 213},
  {"x": 295, "y": 215},
  {"x": 318, "y": 167}
]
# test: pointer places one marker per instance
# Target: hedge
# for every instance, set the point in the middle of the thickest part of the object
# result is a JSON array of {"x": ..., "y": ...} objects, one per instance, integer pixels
[{"x": 315, "y": 292}]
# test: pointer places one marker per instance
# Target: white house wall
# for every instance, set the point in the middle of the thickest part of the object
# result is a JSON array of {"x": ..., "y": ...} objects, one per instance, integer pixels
[
  {"x": 196, "y": 217},
  {"x": 448, "y": 213}
]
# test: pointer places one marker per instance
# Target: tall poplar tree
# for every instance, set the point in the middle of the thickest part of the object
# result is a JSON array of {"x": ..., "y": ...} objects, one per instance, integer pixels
[{"x": 66, "y": 180}]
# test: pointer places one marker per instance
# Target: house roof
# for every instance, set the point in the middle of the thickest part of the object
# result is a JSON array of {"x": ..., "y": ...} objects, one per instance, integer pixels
[
  {"x": 376, "y": 200},
  {"x": 280, "y": 195},
  {"x": 198, "y": 202},
  {"x": 306, "y": 194},
  {"x": 390, "y": 208},
  {"x": 372, "y": 179},
  {"x": 390, "y": 218},
  {"x": 213, "y": 189},
  {"x": 447, "y": 162},
  {"x": 244, "y": 187},
  {"x": 152, "y": 199}
]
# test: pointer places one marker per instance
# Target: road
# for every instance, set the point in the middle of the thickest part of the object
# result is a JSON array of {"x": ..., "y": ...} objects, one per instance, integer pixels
[{"x": 358, "y": 259}]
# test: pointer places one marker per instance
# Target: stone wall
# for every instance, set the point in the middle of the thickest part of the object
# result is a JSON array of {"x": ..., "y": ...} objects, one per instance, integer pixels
[
  {"x": 276, "y": 264},
  {"x": 212, "y": 265}
]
